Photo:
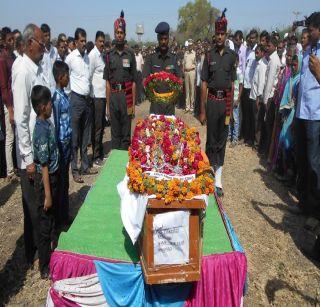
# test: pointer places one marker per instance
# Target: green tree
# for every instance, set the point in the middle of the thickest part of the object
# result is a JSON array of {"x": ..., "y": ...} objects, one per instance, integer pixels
[{"x": 196, "y": 20}]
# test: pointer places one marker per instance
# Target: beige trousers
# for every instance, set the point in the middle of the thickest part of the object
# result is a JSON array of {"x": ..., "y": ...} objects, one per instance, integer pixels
[{"x": 189, "y": 79}]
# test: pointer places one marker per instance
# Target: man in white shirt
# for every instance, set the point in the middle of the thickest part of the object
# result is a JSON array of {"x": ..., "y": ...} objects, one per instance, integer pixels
[
  {"x": 62, "y": 50},
  {"x": 98, "y": 93},
  {"x": 49, "y": 57},
  {"x": 140, "y": 63},
  {"x": 268, "y": 105},
  {"x": 240, "y": 49},
  {"x": 24, "y": 76},
  {"x": 81, "y": 118},
  {"x": 257, "y": 87},
  {"x": 247, "y": 104}
]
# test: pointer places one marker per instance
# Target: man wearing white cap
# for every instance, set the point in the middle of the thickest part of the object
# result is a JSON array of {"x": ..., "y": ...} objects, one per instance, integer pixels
[{"x": 189, "y": 67}]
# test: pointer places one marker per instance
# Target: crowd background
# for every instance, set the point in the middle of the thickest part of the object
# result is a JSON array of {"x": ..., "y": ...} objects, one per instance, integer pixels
[
  {"x": 265, "y": 92},
  {"x": 288, "y": 45}
]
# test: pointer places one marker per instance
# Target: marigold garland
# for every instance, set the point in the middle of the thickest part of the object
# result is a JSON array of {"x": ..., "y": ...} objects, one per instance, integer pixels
[
  {"x": 173, "y": 83},
  {"x": 165, "y": 144}
]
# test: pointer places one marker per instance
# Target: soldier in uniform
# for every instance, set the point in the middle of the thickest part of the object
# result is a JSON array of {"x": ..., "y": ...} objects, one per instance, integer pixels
[
  {"x": 120, "y": 73},
  {"x": 218, "y": 74},
  {"x": 162, "y": 60}
]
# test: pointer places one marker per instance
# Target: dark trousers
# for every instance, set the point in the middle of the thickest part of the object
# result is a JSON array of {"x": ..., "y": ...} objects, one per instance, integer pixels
[
  {"x": 197, "y": 101},
  {"x": 251, "y": 127},
  {"x": 139, "y": 87},
  {"x": 62, "y": 211},
  {"x": 266, "y": 121},
  {"x": 261, "y": 129},
  {"x": 248, "y": 110},
  {"x": 217, "y": 132},
  {"x": 120, "y": 122},
  {"x": 307, "y": 138},
  {"x": 269, "y": 122},
  {"x": 47, "y": 225},
  {"x": 181, "y": 103},
  {"x": 30, "y": 212},
  {"x": 162, "y": 108},
  {"x": 99, "y": 118},
  {"x": 81, "y": 129}
]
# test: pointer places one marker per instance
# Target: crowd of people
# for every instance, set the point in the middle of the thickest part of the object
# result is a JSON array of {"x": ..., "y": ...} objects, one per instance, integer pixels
[{"x": 46, "y": 120}]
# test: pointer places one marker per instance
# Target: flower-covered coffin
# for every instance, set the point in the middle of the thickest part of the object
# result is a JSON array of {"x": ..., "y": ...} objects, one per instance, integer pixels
[{"x": 165, "y": 160}]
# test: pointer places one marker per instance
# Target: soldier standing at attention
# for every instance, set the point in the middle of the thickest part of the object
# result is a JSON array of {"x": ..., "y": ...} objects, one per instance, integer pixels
[
  {"x": 120, "y": 73},
  {"x": 162, "y": 60},
  {"x": 218, "y": 74}
]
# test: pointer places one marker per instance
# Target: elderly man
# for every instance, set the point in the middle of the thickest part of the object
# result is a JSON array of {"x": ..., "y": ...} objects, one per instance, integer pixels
[{"x": 24, "y": 76}]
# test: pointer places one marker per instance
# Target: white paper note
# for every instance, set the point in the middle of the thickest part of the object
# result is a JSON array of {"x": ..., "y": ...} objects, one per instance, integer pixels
[{"x": 171, "y": 237}]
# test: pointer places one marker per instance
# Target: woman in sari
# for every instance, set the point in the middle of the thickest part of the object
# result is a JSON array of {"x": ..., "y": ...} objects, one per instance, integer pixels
[
  {"x": 283, "y": 77},
  {"x": 285, "y": 157}
]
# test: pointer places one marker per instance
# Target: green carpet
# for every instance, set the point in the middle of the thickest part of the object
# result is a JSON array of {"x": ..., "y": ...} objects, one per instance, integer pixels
[{"x": 98, "y": 230}]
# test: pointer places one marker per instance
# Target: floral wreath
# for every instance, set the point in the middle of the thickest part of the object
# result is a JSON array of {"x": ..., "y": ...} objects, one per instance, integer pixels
[
  {"x": 173, "y": 83},
  {"x": 165, "y": 159}
]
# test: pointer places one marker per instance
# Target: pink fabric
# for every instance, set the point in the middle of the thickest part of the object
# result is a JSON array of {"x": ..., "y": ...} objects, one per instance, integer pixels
[
  {"x": 65, "y": 265},
  {"x": 222, "y": 281},
  {"x": 61, "y": 301}
]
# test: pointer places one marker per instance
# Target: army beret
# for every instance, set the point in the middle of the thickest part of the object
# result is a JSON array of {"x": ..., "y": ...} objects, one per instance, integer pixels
[{"x": 162, "y": 28}]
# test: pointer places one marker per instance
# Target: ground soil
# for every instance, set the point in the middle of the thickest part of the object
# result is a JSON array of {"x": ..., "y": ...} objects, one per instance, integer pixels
[{"x": 280, "y": 272}]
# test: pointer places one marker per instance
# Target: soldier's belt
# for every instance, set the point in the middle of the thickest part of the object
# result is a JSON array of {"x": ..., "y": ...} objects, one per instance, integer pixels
[
  {"x": 118, "y": 87},
  {"x": 217, "y": 94}
]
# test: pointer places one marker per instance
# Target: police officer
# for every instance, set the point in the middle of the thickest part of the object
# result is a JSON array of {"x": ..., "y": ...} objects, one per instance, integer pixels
[
  {"x": 120, "y": 73},
  {"x": 218, "y": 74},
  {"x": 162, "y": 60}
]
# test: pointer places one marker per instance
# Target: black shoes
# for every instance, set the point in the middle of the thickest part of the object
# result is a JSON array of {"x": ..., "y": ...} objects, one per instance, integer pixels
[
  {"x": 45, "y": 273},
  {"x": 77, "y": 178},
  {"x": 89, "y": 171},
  {"x": 98, "y": 162}
]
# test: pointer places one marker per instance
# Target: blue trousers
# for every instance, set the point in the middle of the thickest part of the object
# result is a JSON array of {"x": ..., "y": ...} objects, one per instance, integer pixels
[{"x": 235, "y": 125}]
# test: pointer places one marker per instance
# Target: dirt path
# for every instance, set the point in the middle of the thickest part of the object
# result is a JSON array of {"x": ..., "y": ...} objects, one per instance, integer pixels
[{"x": 257, "y": 204}]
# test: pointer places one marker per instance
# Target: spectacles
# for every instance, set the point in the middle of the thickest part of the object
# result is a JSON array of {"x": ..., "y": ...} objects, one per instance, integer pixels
[{"x": 42, "y": 45}]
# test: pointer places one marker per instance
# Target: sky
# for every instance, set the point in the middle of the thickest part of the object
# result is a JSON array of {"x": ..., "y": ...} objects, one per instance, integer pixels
[{"x": 92, "y": 15}]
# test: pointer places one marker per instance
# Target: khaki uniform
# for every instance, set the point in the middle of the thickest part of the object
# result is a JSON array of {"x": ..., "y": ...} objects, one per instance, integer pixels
[{"x": 189, "y": 64}]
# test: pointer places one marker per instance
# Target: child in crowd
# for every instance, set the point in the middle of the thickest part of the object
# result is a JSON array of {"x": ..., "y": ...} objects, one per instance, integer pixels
[
  {"x": 62, "y": 121},
  {"x": 46, "y": 158},
  {"x": 234, "y": 127}
]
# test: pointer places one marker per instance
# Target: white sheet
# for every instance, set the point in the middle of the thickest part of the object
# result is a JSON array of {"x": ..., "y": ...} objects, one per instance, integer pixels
[
  {"x": 133, "y": 207},
  {"x": 85, "y": 291}
]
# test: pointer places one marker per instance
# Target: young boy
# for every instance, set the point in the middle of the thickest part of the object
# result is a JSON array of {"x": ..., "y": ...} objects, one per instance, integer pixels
[
  {"x": 235, "y": 123},
  {"x": 46, "y": 158},
  {"x": 61, "y": 113}
]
